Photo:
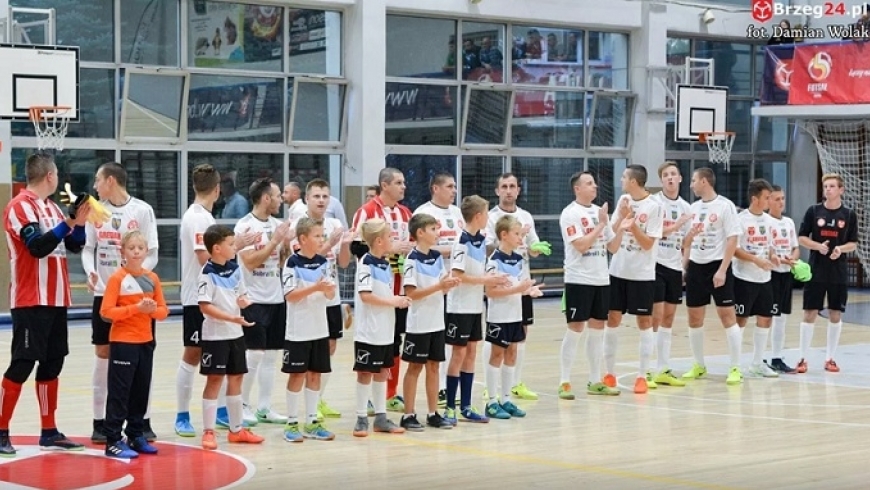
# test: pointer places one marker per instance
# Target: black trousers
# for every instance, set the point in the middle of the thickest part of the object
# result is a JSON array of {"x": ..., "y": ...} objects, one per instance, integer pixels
[{"x": 130, "y": 367}]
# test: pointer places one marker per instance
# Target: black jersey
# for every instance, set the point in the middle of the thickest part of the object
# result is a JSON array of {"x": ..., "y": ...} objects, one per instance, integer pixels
[{"x": 837, "y": 226}]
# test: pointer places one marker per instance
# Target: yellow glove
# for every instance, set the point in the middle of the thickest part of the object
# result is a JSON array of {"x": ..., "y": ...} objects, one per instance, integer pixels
[{"x": 99, "y": 214}]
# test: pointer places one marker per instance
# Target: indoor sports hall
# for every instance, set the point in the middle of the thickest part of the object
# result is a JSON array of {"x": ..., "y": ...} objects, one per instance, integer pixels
[{"x": 338, "y": 90}]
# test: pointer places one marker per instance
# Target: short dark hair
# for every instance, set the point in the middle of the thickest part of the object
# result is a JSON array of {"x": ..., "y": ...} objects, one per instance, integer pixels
[
  {"x": 707, "y": 174},
  {"x": 440, "y": 178},
  {"x": 320, "y": 183},
  {"x": 420, "y": 222},
  {"x": 205, "y": 178},
  {"x": 757, "y": 186},
  {"x": 116, "y": 171},
  {"x": 375, "y": 188},
  {"x": 38, "y": 167},
  {"x": 260, "y": 188},
  {"x": 776, "y": 188},
  {"x": 506, "y": 176},
  {"x": 638, "y": 173},
  {"x": 214, "y": 235},
  {"x": 576, "y": 177}
]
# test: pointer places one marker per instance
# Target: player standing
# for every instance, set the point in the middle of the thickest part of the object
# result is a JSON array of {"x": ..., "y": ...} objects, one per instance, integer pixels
[{"x": 785, "y": 242}]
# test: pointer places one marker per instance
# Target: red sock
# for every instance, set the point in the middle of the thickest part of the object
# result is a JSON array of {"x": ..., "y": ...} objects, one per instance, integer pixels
[
  {"x": 393, "y": 380},
  {"x": 46, "y": 393},
  {"x": 9, "y": 393}
]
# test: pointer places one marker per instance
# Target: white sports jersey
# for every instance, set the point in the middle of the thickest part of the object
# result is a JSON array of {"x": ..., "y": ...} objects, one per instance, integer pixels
[
  {"x": 469, "y": 256},
  {"x": 784, "y": 240},
  {"x": 717, "y": 220},
  {"x": 306, "y": 319},
  {"x": 329, "y": 227},
  {"x": 450, "y": 223},
  {"x": 193, "y": 225},
  {"x": 588, "y": 268},
  {"x": 531, "y": 238},
  {"x": 263, "y": 282},
  {"x": 506, "y": 309},
  {"x": 296, "y": 210},
  {"x": 756, "y": 239},
  {"x": 632, "y": 262},
  {"x": 374, "y": 325},
  {"x": 424, "y": 270},
  {"x": 221, "y": 285},
  {"x": 102, "y": 251},
  {"x": 670, "y": 252}
]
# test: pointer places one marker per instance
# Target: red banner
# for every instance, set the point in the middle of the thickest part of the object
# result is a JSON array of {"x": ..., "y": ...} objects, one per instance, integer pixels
[{"x": 830, "y": 73}]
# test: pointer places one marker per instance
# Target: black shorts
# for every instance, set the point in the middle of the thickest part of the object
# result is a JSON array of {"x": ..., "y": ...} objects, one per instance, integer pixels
[
  {"x": 753, "y": 298},
  {"x": 270, "y": 326},
  {"x": 528, "y": 310},
  {"x": 422, "y": 347},
  {"x": 633, "y": 297},
  {"x": 699, "y": 285},
  {"x": 191, "y": 321},
  {"x": 782, "y": 284},
  {"x": 39, "y": 333},
  {"x": 505, "y": 334},
  {"x": 669, "y": 285},
  {"x": 463, "y": 328},
  {"x": 308, "y": 355},
  {"x": 583, "y": 302},
  {"x": 372, "y": 358},
  {"x": 99, "y": 326},
  {"x": 815, "y": 293},
  {"x": 335, "y": 322},
  {"x": 223, "y": 357}
]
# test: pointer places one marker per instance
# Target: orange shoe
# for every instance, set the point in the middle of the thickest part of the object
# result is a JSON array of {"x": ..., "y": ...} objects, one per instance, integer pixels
[
  {"x": 208, "y": 440},
  {"x": 640, "y": 386},
  {"x": 831, "y": 366},
  {"x": 244, "y": 436},
  {"x": 609, "y": 380},
  {"x": 801, "y": 367}
]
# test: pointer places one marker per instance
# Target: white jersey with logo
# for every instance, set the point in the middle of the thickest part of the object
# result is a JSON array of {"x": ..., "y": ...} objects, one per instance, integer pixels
[
  {"x": 631, "y": 262},
  {"x": 306, "y": 319},
  {"x": 717, "y": 220},
  {"x": 670, "y": 252},
  {"x": 469, "y": 256},
  {"x": 756, "y": 239},
  {"x": 296, "y": 210},
  {"x": 450, "y": 223},
  {"x": 330, "y": 225},
  {"x": 424, "y": 270},
  {"x": 784, "y": 240},
  {"x": 374, "y": 325},
  {"x": 525, "y": 219},
  {"x": 506, "y": 309},
  {"x": 193, "y": 225},
  {"x": 102, "y": 252},
  {"x": 263, "y": 282},
  {"x": 221, "y": 285},
  {"x": 589, "y": 268}
]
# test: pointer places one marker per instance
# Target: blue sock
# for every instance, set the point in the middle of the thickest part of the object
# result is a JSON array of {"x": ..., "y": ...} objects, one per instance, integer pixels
[
  {"x": 452, "y": 384},
  {"x": 466, "y": 382},
  {"x": 48, "y": 432},
  {"x": 222, "y": 414}
]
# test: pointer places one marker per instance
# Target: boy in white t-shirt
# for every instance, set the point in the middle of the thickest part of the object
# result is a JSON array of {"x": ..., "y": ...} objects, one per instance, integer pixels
[{"x": 785, "y": 242}]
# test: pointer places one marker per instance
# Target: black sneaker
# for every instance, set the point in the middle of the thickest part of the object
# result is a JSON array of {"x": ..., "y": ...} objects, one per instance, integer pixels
[
  {"x": 149, "y": 434},
  {"x": 59, "y": 442},
  {"x": 6, "y": 449},
  {"x": 780, "y": 366},
  {"x": 410, "y": 423},
  {"x": 98, "y": 436},
  {"x": 437, "y": 421}
]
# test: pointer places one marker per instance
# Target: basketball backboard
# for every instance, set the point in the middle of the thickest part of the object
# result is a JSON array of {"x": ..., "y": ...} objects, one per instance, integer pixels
[
  {"x": 38, "y": 75},
  {"x": 700, "y": 109}
]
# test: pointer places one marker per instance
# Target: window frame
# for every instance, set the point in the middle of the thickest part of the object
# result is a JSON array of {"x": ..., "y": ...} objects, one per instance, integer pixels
[
  {"x": 466, "y": 98},
  {"x": 342, "y": 125},
  {"x": 597, "y": 95},
  {"x": 123, "y": 137}
]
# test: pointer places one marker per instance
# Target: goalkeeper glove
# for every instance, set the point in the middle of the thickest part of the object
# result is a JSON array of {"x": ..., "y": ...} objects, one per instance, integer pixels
[
  {"x": 801, "y": 271},
  {"x": 542, "y": 248}
]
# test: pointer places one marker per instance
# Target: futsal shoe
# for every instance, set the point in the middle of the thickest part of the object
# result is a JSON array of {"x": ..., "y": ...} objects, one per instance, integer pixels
[
  {"x": 666, "y": 377},
  {"x": 802, "y": 366},
  {"x": 831, "y": 366},
  {"x": 565, "y": 392},
  {"x": 522, "y": 392},
  {"x": 609, "y": 380},
  {"x": 601, "y": 389},
  {"x": 697, "y": 372},
  {"x": 778, "y": 365},
  {"x": 244, "y": 436},
  {"x": 735, "y": 377}
]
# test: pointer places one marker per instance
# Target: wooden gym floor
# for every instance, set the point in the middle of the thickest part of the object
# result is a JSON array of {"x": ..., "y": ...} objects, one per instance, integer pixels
[{"x": 799, "y": 431}]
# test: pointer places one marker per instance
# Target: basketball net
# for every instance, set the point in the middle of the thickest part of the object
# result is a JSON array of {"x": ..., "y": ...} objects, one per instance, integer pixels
[
  {"x": 719, "y": 145},
  {"x": 51, "y": 124},
  {"x": 844, "y": 149}
]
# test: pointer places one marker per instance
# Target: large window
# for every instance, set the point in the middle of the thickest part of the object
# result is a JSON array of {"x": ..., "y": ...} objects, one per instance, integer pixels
[
  {"x": 418, "y": 171},
  {"x": 482, "y": 53},
  {"x": 418, "y": 114},
  {"x": 547, "y": 56},
  {"x": 84, "y": 23},
  {"x": 315, "y": 42},
  {"x": 235, "y": 35},
  {"x": 153, "y": 177},
  {"x": 238, "y": 171},
  {"x": 421, "y": 48},
  {"x": 149, "y": 32},
  {"x": 545, "y": 183},
  {"x": 235, "y": 108}
]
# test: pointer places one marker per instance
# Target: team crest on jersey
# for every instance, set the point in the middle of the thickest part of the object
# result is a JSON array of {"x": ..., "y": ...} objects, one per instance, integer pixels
[
  {"x": 133, "y": 225},
  {"x": 841, "y": 223},
  {"x": 701, "y": 217},
  {"x": 775, "y": 234},
  {"x": 761, "y": 230},
  {"x": 642, "y": 218},
  {"x": 673, "y": 214},
  {"x": 585, "y": 222},
  {"x": 751, "y": 230},
  {"x": 116, "y": 222},
  {"x": 820, "y": 222},
  {"x": 449, "y": 223},
  {"x": 572, "y": 230}
]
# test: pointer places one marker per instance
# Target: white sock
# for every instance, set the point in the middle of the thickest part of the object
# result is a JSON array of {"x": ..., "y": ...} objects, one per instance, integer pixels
[
  {"x": 234, "y": 409},
  {"x": 806, "y": 338},
  {"x": 611, "y": 341},
  {"x": 487, "y": 354},
  {"x": 292, "y": 398},
  {"x": 594, "y": 346},
  {"x": 266, "y": 379},
  {"x": 362, "y": 399},
  {"x": 184, "y": 386},
  {"x": 222, "y": 394},
  {"x": 508, "y": 375},
  {"x": 734, "y": 334},
  {"x": 760, "y": 343},
  {"x": 569, "y": 353},
  {"x": 777, "y": 336},
  {"x": 100, "y": 383},
  {"x": 209, "y": 413},
  {"x": 311, "y": 399},
  {"x": 379, "y": 396},
  {"x": 663, "y": 338},
  {"x": 696, "y": 341},
  {"x": 493, "y": 374},
  {"x": 442, "y": 369},
  {"x": 834, "y": 330},
  {"x": 324, "y": 378},
  {"x": 646, "y": 346},
  {"x": 253, "y": 359},
  {"x": 518, "y": 367}
]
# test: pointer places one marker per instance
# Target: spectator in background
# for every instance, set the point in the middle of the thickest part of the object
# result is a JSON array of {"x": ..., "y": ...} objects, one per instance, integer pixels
[
  {"x": 861, "y": 32},
  {"x": 572, "y": 47},
  {"x": 519, "y": 50},
  {"x": 470, "y": 58},
  {"x": 533, "y": 49},
  {"x": 490, "y": 56},
  {"x": 335, "y": 209},
  {"x": 784, "y": 34},
  {"x": 292, "y": 197},
  {"x": 235, "y": 204},
  {"x": 554, "y": 51},
  {"x": 371, "y": 192},
  {"x": 450, "y": 63}
]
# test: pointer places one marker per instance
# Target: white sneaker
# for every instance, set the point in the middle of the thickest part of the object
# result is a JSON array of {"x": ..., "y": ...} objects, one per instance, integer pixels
[
  {"x": 761, "y": 371},
  {"x": 267, "y": 416},
  {"x": 248, "y": 415}
]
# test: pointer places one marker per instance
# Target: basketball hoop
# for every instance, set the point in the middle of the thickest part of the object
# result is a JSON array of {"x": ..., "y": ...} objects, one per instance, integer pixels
[
  {"x": 51, "y": 124},
  {"x": 719, "y": 144}
]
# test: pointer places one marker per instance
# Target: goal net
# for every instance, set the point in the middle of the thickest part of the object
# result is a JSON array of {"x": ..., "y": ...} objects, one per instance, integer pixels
[{"x": 844, "y": 149}]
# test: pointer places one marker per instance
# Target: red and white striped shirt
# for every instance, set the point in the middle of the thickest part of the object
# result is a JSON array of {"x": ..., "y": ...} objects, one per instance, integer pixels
[
  {"x": 35, "y": 282},
  {"x": 397, "y": 218}
]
